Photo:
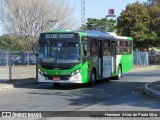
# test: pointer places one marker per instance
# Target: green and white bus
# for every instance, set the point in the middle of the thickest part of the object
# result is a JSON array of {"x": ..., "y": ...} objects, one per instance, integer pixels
[{"x": 67, "y": 56}]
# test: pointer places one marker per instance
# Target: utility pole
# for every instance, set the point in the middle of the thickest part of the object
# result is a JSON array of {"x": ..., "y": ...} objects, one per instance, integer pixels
[
  {"x": 107, "y": 26},
  {"x": 83, "y": 19},
  {"x": 10, "y": 64}
]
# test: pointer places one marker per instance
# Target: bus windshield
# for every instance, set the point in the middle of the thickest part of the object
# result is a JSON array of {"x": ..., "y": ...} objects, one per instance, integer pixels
[{"x": 59, "y": 52}]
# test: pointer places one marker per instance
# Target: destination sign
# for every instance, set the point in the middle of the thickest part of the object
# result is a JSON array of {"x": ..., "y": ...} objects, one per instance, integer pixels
[{"x": 59, "y": 36}]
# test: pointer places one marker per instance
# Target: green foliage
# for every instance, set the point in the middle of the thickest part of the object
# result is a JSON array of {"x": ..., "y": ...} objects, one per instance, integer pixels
[
  {"x": 140, "y": 21},
  {"x": 100, "y": 24},
  {"x": 8, "y": 42},
  {"x": 155, "y": 22}
]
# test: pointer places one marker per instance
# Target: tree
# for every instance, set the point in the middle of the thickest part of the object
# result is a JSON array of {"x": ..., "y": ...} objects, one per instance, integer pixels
[
  {"x": 6, "y": 43},
  {"x": 28, "y": 18},
  {"x": 155, "y": 20},
  {"x": 100, "y": 24},
  {"x": 152, "y": 2},
  {"x": 135, "y": 21}
]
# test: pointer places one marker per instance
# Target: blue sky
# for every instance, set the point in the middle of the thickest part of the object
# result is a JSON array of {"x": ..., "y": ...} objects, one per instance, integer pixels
[{"x": 97, "y": 8}]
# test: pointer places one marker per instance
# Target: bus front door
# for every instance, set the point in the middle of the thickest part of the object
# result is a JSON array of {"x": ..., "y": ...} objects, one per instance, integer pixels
[
  {"x": 100, "y": 59},
  {"x": 113, "y": 54}
]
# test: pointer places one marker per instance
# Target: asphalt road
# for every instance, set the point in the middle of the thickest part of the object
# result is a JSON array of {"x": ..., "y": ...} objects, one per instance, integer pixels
[{"x": 123, "y": 95}]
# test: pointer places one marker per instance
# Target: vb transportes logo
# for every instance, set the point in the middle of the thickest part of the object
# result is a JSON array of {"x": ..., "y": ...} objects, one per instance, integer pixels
[{"x": 111, "y": 13}]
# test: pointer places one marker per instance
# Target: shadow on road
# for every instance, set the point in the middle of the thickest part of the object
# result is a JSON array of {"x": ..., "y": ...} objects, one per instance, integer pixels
[
  {"x": 33, "y": 84},
  {"x": 103, "y": 91},
  {"x": 127, "y": 91}
]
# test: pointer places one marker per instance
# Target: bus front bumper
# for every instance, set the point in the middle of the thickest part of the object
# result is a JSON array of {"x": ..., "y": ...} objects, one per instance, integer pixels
[{"x": 74, "y": 79}]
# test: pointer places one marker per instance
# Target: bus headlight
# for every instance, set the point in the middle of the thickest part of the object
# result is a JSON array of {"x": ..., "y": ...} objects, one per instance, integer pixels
[
  {"x": 40, "y": 71},
  {"x": 75, "y": 72}
]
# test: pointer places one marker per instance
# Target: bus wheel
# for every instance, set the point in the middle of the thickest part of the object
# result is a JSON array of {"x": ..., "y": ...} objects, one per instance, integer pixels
[
  {"x": 56, "y": 85},
  {"x": 118, "y": 77},
  {"x": 92, "y": 79}
]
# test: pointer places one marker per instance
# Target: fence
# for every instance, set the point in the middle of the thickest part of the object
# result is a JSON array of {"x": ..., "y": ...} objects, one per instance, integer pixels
[
  {"x": 140, "y": 58},
  {"x": 146, "y": 58},
  {"x": 154, "y": 57},
  {"x": 17, "y": 58},
  {"x": 20, "y": 58},
  {"x": 23, "y": 72}
]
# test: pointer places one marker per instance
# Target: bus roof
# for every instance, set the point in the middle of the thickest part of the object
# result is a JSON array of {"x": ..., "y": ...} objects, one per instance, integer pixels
[
  {"x": 94, "y": 33},
  {"x": 124, "y": 38}
]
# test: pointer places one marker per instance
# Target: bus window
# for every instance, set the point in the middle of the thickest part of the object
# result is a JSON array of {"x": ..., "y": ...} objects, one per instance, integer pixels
[
  {"x": 94, "y": 47},
  {"x": 106, "y": 48},
  {"x": 86, "y": 48},
  {"x": 45, "y": 50}
]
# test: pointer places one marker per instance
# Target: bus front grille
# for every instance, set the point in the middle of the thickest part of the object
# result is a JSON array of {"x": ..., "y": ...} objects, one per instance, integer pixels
[{"x": 49, "y": 77}]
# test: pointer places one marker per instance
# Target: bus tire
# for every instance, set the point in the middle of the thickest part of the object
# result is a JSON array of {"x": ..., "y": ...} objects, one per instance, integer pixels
[
  {"x": 56, "y": 85},
  {"x": 92, "y": 79},
  {"x": 118, "y": 77}
]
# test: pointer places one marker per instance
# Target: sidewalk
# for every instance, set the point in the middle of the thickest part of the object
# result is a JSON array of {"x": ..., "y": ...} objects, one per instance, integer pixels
[
  {"x": 141, "y": 68},
  {"x": 21, "y": 76},
  {"x": 152, "y": 89}
]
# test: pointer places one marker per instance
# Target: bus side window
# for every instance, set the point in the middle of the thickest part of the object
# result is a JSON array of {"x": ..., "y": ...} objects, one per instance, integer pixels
[
  {"x": 106, "y": 47},
  {"x": 94, "y": 47},
  {"x": 85, "y": 48}
]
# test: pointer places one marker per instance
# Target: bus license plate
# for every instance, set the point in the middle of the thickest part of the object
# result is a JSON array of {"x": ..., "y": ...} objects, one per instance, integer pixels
[{"x": 56, "y": 78}]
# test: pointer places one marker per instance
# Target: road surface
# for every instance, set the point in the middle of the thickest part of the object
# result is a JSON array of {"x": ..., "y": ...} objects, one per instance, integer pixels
[{"x": 123, "y": 95}]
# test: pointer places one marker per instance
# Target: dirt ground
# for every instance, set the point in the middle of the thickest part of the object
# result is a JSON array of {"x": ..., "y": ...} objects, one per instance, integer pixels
[
  {"x": 18, "y": 72},
  {"x": 23, "y": 72}
]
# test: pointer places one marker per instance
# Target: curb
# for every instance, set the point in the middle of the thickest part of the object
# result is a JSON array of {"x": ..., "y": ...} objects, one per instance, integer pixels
[{"x": 151, "y": 92}]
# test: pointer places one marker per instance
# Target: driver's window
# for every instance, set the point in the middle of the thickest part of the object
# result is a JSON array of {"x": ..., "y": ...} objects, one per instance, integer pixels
[
  {"x": 86, "y": 48},
  {"x": 46, "y": 50}
]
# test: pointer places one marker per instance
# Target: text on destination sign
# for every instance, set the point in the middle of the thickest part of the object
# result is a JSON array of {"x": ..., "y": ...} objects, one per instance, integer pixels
[{"x": 62, "y": 36}]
